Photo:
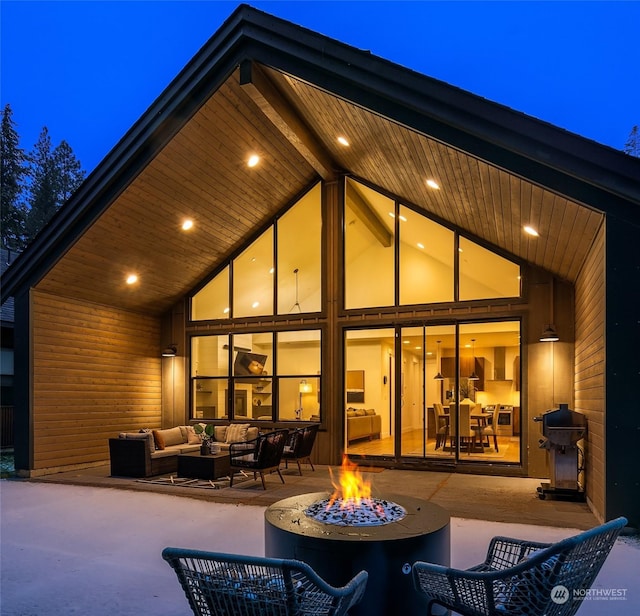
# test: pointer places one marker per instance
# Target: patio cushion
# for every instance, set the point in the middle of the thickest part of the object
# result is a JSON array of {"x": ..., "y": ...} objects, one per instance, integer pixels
[
  {"x": 236, "y": 433},
  {"x": 171, "y": 436}
]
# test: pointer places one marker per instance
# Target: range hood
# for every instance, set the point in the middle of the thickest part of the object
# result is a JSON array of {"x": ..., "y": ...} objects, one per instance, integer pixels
[{"x": 499, "y": 360}]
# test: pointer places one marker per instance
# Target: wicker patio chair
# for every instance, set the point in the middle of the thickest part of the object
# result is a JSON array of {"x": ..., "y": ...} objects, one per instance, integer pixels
[
  {"x": 228, "y": 584},
  {"x": 299, "y": 446},
  {"x": 260, "y": 455},
  {"x": 521, "y": 577}
]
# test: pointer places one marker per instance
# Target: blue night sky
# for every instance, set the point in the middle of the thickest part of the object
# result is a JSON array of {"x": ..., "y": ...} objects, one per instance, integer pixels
[{"x": 89, "y": 69}]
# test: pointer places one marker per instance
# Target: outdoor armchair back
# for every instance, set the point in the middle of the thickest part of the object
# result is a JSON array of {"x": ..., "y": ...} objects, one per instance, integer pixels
[
  {"x": 219, "y": 584},
  {"x": 261, "y": 455},
  {"x": 522, "y": 577}
]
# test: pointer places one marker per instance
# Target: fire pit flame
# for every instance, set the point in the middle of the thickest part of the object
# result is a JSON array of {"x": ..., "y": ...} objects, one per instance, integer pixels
[{"x": 351, "y": 503}]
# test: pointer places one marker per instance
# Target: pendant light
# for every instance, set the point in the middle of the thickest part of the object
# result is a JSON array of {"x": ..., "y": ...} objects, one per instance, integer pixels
[
  {"x": 438, "y": 377},
  {"x": 473, "y": 376}
]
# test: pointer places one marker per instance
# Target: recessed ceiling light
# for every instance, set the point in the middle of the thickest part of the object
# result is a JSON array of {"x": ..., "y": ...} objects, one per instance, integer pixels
[
  {"x": 420, "y": 245},
  {"x": 187, "y": 224},
  {"x": 392, "y": 215},
  {"x": 402, "y": 218},
  {"x": 433, "y": 184},
  {"x": 272, "y": 270},
  {"x": 132, "y": 279},
  {"x": 343, "y": 141},
  {"x": 226, "y": 311},
  {"x": 255, "y": 304},
  {"x": 531, "y": 231},
  {"x": 405, "y": 342},
  {"x": 254, "y": 159}
]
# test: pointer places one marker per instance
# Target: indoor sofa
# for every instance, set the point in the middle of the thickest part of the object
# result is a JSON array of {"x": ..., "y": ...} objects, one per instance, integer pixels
[
  {"x": 363, "y": 423},
  {"x": 155, "y": 452}
]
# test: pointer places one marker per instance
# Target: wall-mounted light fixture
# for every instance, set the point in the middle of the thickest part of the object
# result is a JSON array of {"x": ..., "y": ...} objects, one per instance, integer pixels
[
  {"x": 550, "y": 334},
  {"x": 170, "y": 351}
]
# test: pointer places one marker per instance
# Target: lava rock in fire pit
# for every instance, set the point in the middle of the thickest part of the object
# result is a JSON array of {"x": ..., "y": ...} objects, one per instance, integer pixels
[{"x": 349, "y": 512}]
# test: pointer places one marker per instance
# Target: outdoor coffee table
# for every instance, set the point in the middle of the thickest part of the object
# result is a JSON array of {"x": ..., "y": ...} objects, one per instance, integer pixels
[{"x": 196, "y": 466}]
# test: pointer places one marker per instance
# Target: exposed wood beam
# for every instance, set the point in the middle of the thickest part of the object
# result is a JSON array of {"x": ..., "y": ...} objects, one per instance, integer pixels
[
  {"x": 285, "y": 118},
  {"x": 368, "y": 215}
]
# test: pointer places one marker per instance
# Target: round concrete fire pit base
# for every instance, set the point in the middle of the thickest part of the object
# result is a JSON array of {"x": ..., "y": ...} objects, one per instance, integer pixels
[{"x": 386, "y": 551}]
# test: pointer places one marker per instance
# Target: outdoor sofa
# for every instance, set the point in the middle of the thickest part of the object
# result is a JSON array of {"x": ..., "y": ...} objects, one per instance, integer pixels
[{"x": 155, "y": 452}]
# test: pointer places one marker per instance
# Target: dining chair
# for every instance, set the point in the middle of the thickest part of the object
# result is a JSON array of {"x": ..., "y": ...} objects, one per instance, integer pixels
[
  {"x": 442, "y": 425},
  {"x": 463, "y": 426},
  {"x": 218, "y": 584},
  {"x": 520, "y": 577}
]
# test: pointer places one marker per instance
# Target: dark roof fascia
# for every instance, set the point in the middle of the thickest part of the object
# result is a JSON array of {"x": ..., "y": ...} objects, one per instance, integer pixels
[
  {"x": 202, "y": 75},
  {"x": 591, "y": 173}
]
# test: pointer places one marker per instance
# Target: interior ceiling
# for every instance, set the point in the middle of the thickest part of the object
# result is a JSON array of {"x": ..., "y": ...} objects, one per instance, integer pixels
[{"x": 202, "y": 174}]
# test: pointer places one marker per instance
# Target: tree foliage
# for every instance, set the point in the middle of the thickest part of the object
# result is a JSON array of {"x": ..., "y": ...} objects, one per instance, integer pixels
[
  {"x": 13, "y": 165},
  {"x": 632, "y": 146},
  {"x": 38, "y": 183}
]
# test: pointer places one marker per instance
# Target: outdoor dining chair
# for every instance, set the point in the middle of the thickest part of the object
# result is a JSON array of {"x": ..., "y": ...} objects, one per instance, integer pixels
[
  {"x": 521, "y": 577},
  {"x": 234, "y": 585},
  {"x": 299, "y": 446},
  {"x": 260, "y": 455}
]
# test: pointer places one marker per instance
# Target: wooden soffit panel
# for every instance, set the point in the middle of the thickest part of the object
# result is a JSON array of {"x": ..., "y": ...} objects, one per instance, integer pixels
[
  {"x": 200, "y": 174},
  {"x": 483, "y": 200}
]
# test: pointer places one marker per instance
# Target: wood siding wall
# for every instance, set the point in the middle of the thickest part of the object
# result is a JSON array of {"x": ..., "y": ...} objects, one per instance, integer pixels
[
  {"x": 96, "y": 372},
  {"x": 590, "y": 368}
]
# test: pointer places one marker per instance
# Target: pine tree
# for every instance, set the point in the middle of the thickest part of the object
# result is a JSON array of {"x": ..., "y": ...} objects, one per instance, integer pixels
[
  {"x": 69, "y": 171},
  {"x": 632, "y": 146},
  {"x": 14, "y": 170},
  {"x": 42, "y": 197}
]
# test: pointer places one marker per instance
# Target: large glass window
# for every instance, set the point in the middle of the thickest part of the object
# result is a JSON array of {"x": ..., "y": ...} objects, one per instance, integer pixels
[
  {"x": 297, "y": 268},
  {"x": 299, "y": 250},
  {"x": 253, "y": 274},
  {"x": 426, "y": 260},
  {"x": 370, "y": 389},
  {"x": 299, "y": 375},
  {"x": 239, "y": 376},
  {"x": 213, "y": 301},
  {"x": 484, "y": 274},
  {"x": 368, "y": 247},
  {"x": 209, "y": 377}
]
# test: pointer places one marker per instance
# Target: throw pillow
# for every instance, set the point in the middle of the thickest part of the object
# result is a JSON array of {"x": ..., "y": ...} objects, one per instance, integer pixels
[
  {"x": 142, "y": 436},
  {"x": 360, "y": 413},
  {"x": 252, "y": 433},
  {"x": 192, "y": 437},
  {"x": 370, "y": 411},
  {"x": 236, "y": 433},
  {"x": 157, "y": 437},
  {"x": 171, "y": 436},
  {"x": 220, "y": 433},
  {"x": 351, "y": 413}
]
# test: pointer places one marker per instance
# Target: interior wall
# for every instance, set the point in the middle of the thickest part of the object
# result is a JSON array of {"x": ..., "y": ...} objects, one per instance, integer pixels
[
  {"x": 97, "y": 372},
  {"x": 590, "y": 368}
]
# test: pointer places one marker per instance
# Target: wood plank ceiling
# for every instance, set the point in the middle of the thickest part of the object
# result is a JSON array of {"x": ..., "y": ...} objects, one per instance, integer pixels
[{"x": 202, "y": 174}]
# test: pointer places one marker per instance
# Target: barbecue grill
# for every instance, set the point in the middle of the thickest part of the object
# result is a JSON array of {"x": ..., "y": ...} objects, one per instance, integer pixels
[{"x": 562, "y": 429}]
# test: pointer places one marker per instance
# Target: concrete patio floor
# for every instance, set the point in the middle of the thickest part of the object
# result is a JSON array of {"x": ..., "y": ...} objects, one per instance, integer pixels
[
  {"x": 79, "y": 549},
  {"x": 479, "y": 497}
]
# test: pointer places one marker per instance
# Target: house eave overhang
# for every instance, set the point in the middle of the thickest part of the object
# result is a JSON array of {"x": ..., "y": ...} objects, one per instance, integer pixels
[{"x": 589, "y": 173}]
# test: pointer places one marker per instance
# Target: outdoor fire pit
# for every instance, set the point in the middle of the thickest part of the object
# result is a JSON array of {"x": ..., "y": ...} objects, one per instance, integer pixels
[{"x": 339, "y": 536}]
